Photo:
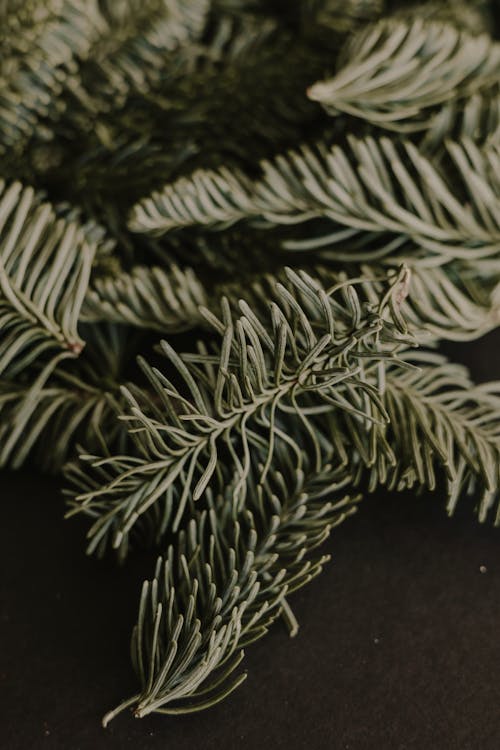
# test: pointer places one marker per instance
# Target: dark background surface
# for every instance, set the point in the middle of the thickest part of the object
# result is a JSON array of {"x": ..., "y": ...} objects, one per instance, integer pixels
[{"x": 398, "y": 648}]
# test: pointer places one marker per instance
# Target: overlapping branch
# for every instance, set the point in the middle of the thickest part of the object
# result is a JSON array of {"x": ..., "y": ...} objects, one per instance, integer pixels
[
  {"x": 311, "y": 352},
  {"x": 224, "y": 583},
  {"x": 396, "y": 74},
  {"x": 374, "y": 192},
  {"x": 40, "y": 45},
  {"x": 45, "y": 265}
]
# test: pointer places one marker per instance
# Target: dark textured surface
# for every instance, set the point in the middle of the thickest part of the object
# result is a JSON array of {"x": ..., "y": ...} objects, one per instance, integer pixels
[{"x": 398, "y": 646}]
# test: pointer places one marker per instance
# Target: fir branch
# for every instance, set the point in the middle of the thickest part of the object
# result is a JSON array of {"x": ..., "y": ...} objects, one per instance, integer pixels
[
  {"x": 223, "y": 584},
  {"x": 68, "y": 401},
  {"x": 476, "y": 118},
  {"x": 374, "y": 187},
  {"x": 234, "y": 401},
  {"x": 473, "y": 16},
  {"x": 311, "y": 352},
  {"x": 342, "y": 16},
  {"x": 303, "y": 387},
  {"x": 396, "y": 74},
  {"x": 40, "y": 45},
  {"x": 451, "y": 303},
  {"x": 224, "y": 580},
  {"x": 134, "y": 53},
  {"x": 438, "y": 417},
  {"x": 208, "y": 198},
  {"x": 45, "y": 264},
  {"x": 147, "y": 298}
]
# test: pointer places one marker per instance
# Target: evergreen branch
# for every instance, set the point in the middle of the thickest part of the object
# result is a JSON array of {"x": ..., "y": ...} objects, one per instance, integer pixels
[
  {"x": 476, "y": 118},
  {"x": 69, "y": 401},
  {"x": 396, "y": 74},
  {"x": 311, "y": 352},
  {"x": 207, "y": 197},
  {"x": 374, "y": 187},
  {"x": 225, "y": 579},
  {"x": 134, "y": 53},
  {"x": 236, "y": 399},
  {"x": 224, "y": 582},
  {"x": 45, "y": 265},
  {"x": 40, "y": 45},
  {"x": 473, "y": 16},
  {"x": 342, "y": 16},
  {"x": 438, "y": 417},
  {"x": 173, "y": 126},
  {"x": 450, "y": 303},
  {"x": 147, "y": 298},
  {"x": 435, "y": 396}
]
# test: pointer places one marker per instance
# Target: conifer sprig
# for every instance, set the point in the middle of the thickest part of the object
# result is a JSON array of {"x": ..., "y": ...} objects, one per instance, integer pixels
[
  {"x": 147, "y": 297},
  {"x": 476, "y": 118},
  {"x": 373, "y": 188},
  {"x": 45, "y": 265},
  {"x": 396, "y": 74},
  {"x": 69, "y": 401},
  {"x": 340, "y": 17},
  {"x": 438, "y": 417},
  {"x": 225, "y": 579},
  {"x": 224, "y": 583},
  {"x": 133, "y": 54},
  {"x": 40, "y": 45},
  {"x": 311, "y": 351}
]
